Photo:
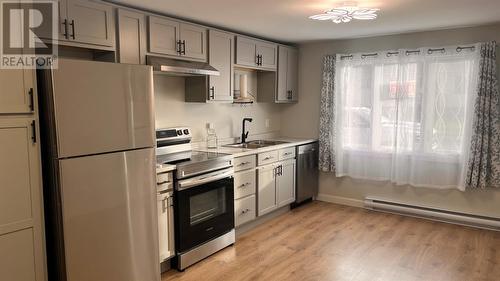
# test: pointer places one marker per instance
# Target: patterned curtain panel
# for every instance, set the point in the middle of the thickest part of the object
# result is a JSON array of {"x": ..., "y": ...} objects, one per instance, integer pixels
[
  {"x": 483, "y": 169},
  {"x": 327, "y": 120}
]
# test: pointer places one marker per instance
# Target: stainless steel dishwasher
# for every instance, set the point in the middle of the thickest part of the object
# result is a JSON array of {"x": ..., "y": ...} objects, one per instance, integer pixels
[{"x": 307, "y": 172}]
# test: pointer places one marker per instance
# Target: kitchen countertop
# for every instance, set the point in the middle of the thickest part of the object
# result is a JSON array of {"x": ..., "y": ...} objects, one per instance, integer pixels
[
  {"x": 239, "y": 152},
  {"x": 162, "y": 168}
]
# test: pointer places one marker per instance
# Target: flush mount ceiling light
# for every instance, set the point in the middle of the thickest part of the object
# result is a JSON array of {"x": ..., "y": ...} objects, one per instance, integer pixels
[{"x": 346, "y": 13}]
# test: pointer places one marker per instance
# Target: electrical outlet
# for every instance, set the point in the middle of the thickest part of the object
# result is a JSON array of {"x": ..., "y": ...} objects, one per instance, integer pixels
[{"x": 268, "y": 123}]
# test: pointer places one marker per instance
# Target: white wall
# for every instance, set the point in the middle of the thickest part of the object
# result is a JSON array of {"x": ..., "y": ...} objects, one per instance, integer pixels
[
  {"x": 172, "y": 110},
  {"x": 302, "y": 119}
]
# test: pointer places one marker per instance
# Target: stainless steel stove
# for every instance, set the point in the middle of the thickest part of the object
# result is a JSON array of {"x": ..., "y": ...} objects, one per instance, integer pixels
[{"x": 203, "y": 196}]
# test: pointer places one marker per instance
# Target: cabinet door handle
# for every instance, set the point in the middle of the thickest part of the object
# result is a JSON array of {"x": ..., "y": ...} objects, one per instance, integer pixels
[
  {"x": 260, "y": 60},
  {"x": 179, "y": 47},
  {"x": 244, "y": 185},
  {"x": 184, "y": 47},
  {"x": 244, "y": 163},
  {"x": 211, "y": 95},
  {"x": 73, "y": 29},
  {"x": 65, "y": 23},
  {"x": 32, "y": 101},
  {"x": 33, "y": 131}
]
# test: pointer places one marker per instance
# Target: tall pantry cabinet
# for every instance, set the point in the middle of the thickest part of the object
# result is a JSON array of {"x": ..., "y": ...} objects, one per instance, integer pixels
[{"x": 22, "y": 244}]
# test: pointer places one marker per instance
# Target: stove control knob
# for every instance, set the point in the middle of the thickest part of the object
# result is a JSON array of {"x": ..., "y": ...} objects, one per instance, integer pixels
[
  {"x": 179, "y": 132},
  {"x": 186, "y": 132}
]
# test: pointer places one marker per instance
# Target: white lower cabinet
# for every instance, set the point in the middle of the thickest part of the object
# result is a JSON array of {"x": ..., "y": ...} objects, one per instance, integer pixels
[
  {"x": 17, "y": 250},
  {"x": 22, "y": 255},
  {"x": 285, "y": 183},
  {"x": 165, "y": 228},
  {"x": 276, "y": 181},
  {"x": 244, "y": 210},
  {"x": 244, "y": 189},
  {"x": 263, "y": 189},
  {"x": 266, "y": 189}
]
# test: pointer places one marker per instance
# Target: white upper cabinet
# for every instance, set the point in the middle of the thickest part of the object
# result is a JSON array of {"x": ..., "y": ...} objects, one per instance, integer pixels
[
  {"x": 221, "y": 58},
  {"x": 287, "y": 75},
  {"x": 180, "y": 40},
  {"x": 256, "y": 53},
  {"x": 193, "y": 41},
  {"x": 292, "y": 77},
  {"x": 245, "y": 51},
  {"x": 84, "y": 22},
  {"x": 268, "y": 54},
  {"x": 17, "y": 90},
  {"x": 91, "y": 23},
  {"x": 163, "y": 36},
  {"x": 131, "y": 37}
]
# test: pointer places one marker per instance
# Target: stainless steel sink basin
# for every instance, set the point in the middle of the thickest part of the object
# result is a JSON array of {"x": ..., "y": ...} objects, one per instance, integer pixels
[
  {"x": 266, "y": 142},
  {"x": 254, "y": 144},
  {"x": 244, "y": 145}
]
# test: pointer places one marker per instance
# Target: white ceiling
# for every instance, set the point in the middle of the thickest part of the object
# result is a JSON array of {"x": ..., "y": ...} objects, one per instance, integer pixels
[{"x": 287, "y": 20}]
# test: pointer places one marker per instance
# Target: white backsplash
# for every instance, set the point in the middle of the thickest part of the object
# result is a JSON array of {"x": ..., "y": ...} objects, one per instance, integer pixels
[{"x": 172, "y": 111}]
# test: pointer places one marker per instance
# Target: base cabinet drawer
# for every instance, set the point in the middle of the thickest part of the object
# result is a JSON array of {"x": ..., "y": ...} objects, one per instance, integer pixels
[
  {"x": 244, "y": 210},
  {"x": 244, "y": 183},
  {"x": 164, "y": 177},
  {"x": 286, "y": 153},
  {"x": 244, "y": 163},
  {"x": 267, "y": 157}
]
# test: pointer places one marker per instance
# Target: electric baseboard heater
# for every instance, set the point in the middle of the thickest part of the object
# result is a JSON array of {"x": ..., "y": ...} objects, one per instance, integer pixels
[{"x": 432, "y": 213}]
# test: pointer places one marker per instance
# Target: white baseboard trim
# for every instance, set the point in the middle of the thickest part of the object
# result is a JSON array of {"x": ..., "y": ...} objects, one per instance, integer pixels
[{"x": 340, "y": 200}]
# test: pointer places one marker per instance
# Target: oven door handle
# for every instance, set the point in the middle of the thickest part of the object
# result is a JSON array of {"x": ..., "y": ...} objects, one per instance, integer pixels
[{"x": 199, "y": 180}]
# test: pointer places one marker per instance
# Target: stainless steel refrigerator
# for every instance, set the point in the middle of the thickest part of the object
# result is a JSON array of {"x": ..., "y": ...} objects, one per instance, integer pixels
[{"x": 97, "y": 125}]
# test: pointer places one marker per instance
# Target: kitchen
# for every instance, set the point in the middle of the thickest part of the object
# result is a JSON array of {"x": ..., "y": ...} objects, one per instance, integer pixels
[{"x": 164, "y": 146}]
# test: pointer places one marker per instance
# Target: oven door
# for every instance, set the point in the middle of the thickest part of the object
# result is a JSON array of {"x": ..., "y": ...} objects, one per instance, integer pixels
[{"x": 204, "y": 208}]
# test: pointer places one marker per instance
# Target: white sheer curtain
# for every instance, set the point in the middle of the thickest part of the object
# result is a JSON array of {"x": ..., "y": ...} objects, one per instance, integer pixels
[{"x": 406, "y": 115}]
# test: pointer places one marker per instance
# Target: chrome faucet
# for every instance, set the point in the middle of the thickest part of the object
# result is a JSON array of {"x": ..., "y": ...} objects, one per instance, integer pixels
[{"x": 244, "y": 134}]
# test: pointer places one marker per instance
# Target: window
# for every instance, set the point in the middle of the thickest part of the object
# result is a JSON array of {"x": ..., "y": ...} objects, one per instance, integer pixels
[
  {"x": 420, "y": 104},
  {"x": 399, "y": 116}
]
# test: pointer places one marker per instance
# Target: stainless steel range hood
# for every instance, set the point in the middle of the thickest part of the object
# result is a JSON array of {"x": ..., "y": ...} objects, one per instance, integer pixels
[{"x": 180, "y": 67}]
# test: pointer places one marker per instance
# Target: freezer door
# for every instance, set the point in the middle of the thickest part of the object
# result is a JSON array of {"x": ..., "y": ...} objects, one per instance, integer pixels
[
  {"x": 109, "y": 217},
  {"x": 102, "y": 107}
]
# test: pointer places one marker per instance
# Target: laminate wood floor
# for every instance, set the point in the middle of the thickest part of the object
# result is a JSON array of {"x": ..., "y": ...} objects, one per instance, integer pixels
[{"x": 322, "y": 241}]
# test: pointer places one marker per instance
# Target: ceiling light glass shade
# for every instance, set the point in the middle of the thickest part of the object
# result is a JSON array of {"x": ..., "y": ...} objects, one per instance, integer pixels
[{"x": 346, "y": 14}]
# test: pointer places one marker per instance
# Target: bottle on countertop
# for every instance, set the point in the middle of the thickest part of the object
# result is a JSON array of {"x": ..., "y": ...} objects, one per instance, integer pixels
[{"x": 211, "y": 137}]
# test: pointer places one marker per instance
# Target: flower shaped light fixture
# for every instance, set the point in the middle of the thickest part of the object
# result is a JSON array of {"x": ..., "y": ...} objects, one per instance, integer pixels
[{"x": 346, "y": 13}]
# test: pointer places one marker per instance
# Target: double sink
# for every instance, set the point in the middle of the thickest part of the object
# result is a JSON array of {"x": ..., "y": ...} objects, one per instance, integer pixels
[{"x": 255, "y": 144}]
